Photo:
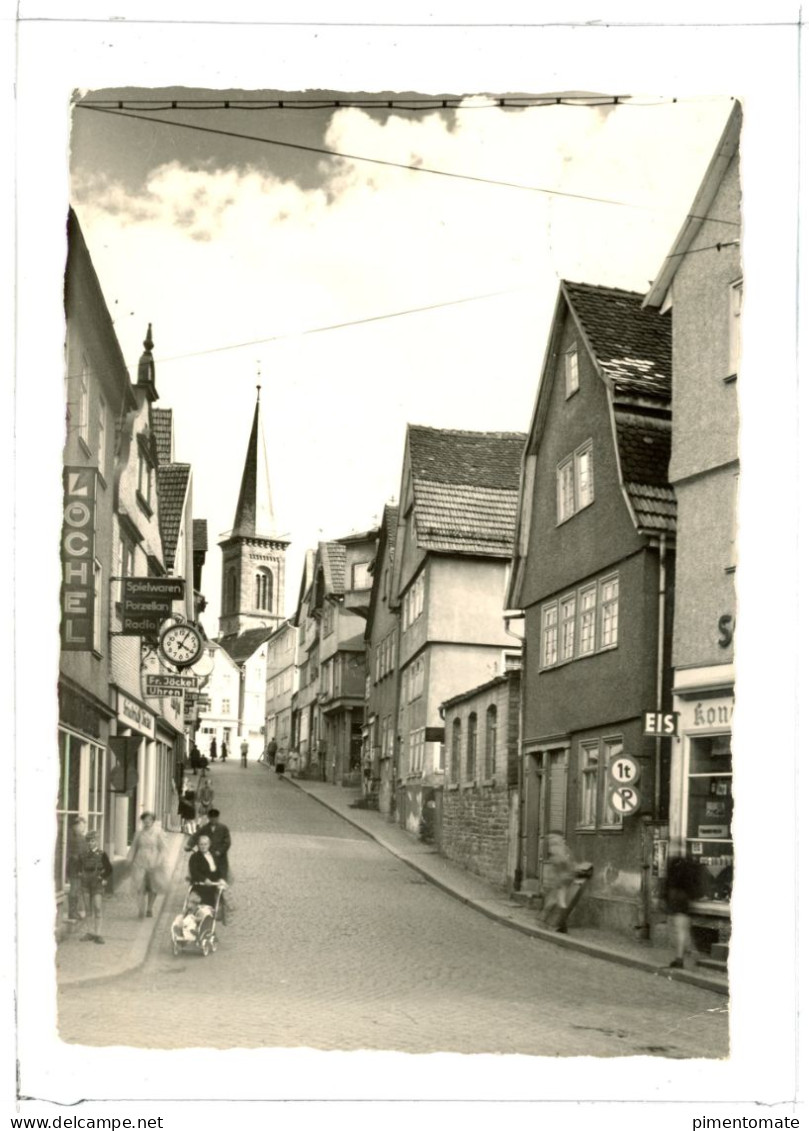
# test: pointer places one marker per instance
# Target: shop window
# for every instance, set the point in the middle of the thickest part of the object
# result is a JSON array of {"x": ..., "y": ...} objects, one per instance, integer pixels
[{"x": 710, "y": 814}]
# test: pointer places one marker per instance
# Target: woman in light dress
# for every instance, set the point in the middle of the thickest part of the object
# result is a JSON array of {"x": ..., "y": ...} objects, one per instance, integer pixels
[{"x": 148, "y": 859}]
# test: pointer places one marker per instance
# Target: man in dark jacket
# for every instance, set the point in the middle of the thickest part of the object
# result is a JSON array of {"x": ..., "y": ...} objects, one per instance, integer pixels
[
  {"x": 219, "y": 836},
  {"x": 683, "y": 885}
]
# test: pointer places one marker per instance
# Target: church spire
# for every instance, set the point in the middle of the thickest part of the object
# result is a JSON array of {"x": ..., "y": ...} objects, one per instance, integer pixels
[{"x": 254, "y": 516}]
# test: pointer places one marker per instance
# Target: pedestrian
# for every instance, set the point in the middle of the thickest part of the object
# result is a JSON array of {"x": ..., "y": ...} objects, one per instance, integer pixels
[
  {"x": 187, "y": 810},
  {"x": 272, "y": 750},
  {"x": 682, "y": 886},
  {"x": 204, "y": 798},
  {"x": 244, "y": 749},
  {"x": 76, "y": 840},
  {"x": 224, "y": 751},
  {"x": 219, "y": 837},
  {"x": 212, "y": 750},
  {"x": 148, "y": 858},
  {"x": 95, "y": 872},
  {"x": 557, "y": 873}
]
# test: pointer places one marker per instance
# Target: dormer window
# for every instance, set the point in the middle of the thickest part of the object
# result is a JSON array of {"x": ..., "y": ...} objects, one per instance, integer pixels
[{"x": 572, "y": 371}]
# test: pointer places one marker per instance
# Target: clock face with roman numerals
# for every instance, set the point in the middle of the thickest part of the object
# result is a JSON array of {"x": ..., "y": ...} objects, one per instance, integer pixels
[{"x": 181, "y": 645}]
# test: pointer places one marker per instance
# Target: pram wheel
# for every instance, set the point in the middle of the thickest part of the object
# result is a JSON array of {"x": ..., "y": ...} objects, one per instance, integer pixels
[
  {"x": 175, "y": 947},
  {"x": 205, "y": 945},
  {"x": 213, "y": 943}
]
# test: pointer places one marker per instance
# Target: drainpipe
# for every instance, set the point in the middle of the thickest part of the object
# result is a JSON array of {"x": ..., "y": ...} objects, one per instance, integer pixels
[
  {"x": 508, "y": 617},
  {"x": 661, "y": 629}
]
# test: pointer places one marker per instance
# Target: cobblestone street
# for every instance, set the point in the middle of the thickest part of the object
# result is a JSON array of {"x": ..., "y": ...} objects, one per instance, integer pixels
[{"x": 323, "y": 953}]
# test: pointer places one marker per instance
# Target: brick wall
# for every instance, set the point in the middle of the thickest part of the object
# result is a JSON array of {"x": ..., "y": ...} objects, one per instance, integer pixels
[{"x": 474, "y": 831}]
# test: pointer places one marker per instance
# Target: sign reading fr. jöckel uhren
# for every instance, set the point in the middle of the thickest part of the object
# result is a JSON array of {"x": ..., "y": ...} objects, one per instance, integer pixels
[
  {"x": 166, "y": 684},
  {"x": 78, "y": 559}
]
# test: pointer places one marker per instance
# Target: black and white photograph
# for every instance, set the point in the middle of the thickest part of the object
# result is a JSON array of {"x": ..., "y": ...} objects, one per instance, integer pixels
[{"x": 399, "y": 506}]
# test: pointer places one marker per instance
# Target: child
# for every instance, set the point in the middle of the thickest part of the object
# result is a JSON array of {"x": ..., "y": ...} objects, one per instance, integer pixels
[
  {"x": 187, "y": 811},
  {"x": 187, "y": 923},
  {"x": 95, "y": 871}
]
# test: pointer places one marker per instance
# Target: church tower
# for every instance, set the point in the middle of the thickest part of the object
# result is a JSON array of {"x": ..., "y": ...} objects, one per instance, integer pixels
[{"x": 253, "y": 553}]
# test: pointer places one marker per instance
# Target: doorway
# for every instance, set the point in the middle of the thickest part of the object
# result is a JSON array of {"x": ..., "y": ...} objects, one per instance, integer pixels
[{"x": 545, "y": 807}]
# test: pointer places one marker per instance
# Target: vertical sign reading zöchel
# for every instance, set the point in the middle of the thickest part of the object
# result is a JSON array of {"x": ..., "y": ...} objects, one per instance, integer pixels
[{"x": 78, "y": 559}]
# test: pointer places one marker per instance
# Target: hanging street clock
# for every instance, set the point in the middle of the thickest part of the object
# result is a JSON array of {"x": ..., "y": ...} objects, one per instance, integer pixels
[{"x": 180, "y": 644}]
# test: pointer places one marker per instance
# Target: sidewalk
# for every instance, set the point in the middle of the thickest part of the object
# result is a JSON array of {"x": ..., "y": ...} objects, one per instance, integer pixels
[
  {"x": 126, "y": 937},
  {"x": 494, "y": 902}
]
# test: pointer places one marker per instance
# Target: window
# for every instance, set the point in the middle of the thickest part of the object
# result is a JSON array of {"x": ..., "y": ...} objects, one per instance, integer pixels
[
  {"x": 588, "y": 785},
  {"x": 230, "y": 595},
  {"x": 97, "y": 590},
  {"x": 413, "y": 604},
  {"x": 734, "y": 351},
  {"x": 360, "y": 576},
  {"x": 414, "y": 679},
  {"x": 550, "y": 616},
  {"x": 571, "y": 371},
  {"x": 263, "y": 589},
  {"x": 102, "y": 436},
  {"x": 568, "y": 614},
  {"x": 710, "y": 813},
  {"x": 225, "y": 706},
  {"x": 594, "y": 809},
  {"x": 574, "y": 482},
  {"x": 455, "y": 751},
  {"x": 144, "y": 479},
  {"x": 609, "y": 612},
  {"x": 471, "y": 746},
  {"x": 612, "y": 748},
  {"x": 580, "y": 624},
  {"x": 587, "y": 620},
  {"x": 84, "y": 401},
  {"x": 491, "y": 742}
]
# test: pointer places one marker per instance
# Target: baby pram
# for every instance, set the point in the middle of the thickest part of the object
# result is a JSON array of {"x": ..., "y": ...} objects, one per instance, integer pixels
[{"x": 195, "y": 926}]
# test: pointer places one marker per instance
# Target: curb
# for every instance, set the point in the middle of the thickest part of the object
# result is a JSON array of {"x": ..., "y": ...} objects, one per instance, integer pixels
[
  {"x": 564, "y": 941},
  {"x": 142, "y": 941}
]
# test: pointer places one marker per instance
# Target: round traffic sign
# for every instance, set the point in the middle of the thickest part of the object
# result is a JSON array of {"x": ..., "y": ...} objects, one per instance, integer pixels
[
  {"x": 624, "y": 799},
  {"x": 624, "y": 770}
]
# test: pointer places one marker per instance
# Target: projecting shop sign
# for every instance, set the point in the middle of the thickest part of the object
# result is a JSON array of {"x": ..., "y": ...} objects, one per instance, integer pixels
[
  {"x": 78, "y": 559},
  {"x": 165, "y": 684}
]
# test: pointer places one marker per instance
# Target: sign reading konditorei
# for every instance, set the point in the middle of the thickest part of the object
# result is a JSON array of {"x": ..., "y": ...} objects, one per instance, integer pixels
[
  {"x": 167, "y": 684},
  {"x": 78, "y": 559},
  {"x": 132, "y": 714}
]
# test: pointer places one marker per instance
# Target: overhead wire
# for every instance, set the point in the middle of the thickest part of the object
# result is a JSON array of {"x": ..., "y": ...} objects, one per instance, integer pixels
[{"x": 322, "y": 151}]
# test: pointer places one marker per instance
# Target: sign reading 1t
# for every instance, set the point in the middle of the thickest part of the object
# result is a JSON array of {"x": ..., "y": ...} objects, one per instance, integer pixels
[{"x": 660, "y": 725}]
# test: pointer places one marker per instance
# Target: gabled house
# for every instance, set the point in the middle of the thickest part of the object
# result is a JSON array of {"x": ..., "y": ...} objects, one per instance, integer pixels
[
  {"x": 593, "y": 570},
  {"x": 700, "y": 292},
  {"x": 282, "y": 683},
  {"x": 98, "y": 399},
  {"x": 455, "y": 528},
  {"x": 309, "y": 758},
  {"x": 381, "y": 664},
  {"x": 342, "y": 584}
]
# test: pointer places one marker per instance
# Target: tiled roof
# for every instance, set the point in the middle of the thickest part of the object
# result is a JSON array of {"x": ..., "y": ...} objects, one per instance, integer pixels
[
  {"x": 475, "y": 459},
  {"x": 632, "y": 344},
  {"x": 172, "y": 485},
  {"x": 200, "y": 535},
  {"x": 463, "y": 519},
  {"x": 242, "y": 646},
  {"x": 465, "y": 486},
  {"x": 333, "y": 559},
  {"x": 162, "y": 426}
]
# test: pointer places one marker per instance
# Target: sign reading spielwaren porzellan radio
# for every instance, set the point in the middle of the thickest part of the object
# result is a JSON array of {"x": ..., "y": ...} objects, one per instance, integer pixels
[{"x": 146, "y": 602}]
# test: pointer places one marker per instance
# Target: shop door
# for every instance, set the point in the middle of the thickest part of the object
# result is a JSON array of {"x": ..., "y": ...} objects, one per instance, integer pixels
[{"x": 546, "y": 796}]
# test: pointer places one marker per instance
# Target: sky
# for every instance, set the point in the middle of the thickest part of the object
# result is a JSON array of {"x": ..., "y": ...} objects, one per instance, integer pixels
[{"x": 361, "y": 295}]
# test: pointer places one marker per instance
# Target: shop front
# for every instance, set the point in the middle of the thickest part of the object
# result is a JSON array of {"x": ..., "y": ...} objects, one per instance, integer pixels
[
  {"x": 702, "y": 797},
  {"x": 83, "y": 737},
  {"x": 132, "y": 769}
]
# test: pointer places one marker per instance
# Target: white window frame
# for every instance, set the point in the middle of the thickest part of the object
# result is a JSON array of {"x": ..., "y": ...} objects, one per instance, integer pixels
[
  {"x": 572, "y": 370},
  {"x": 549, "y": 635},
  {"x": 567, "y": 628},
  {"x": 585, "y": 593},
  {"x": 575, "y": 482},
  {"x": 588, "y": 781},
  {"x": 605, "y": 606}
]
